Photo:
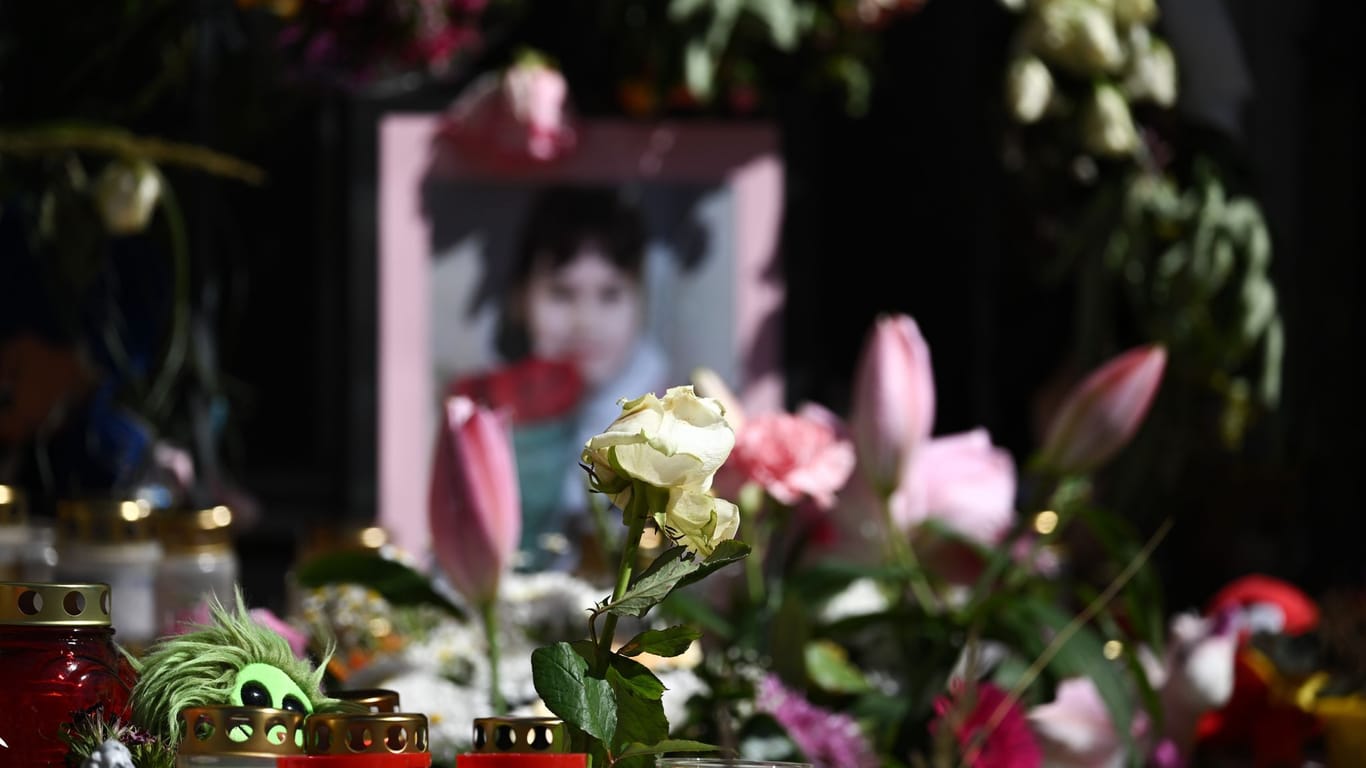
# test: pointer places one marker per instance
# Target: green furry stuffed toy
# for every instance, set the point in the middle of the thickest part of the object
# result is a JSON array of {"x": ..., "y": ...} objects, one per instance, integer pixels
[{"x": 230, "y": 661}]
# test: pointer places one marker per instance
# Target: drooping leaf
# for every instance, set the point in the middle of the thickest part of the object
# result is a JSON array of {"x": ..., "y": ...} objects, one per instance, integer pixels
[
  {"x": 666, "y": 746},
  {"x": 562, "y": 680},
  {"x": 661, "y": 642},
  {"x": 398, "y": 583},
  {"x": 655, "y": 583},
  {"x": 637, "y": 678},
  {"x": 828, "y": 666},
  {"x": 640, "y": 718}
]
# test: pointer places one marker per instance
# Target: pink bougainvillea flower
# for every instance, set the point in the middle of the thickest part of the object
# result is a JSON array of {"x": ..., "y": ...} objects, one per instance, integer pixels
[
  {"x": 517, "y": 117},
  {"x": 964, "y": 482},
  {"x": 795, "y": 456},
  {"x": 893, "y": 401},
  {"x": 971, "y": 711},
  {"x": 828, "y": 739},
  {"x": 1101, "y": 415},
  {"x": 475, "y": 509}
]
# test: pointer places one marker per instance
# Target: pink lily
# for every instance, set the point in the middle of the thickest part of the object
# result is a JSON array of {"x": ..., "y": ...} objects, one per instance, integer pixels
[
  {"x": 1101, "y": 415},
  {"x": 475, "y": 510},
  {"x": 893, "y": 406}
]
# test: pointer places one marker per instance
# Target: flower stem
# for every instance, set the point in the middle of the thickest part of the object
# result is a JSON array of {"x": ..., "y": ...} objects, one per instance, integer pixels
[
  {"x": 636, "y": 513},
  {"x": 904, "y": 555},
  {"x": 489, "y": 610}
]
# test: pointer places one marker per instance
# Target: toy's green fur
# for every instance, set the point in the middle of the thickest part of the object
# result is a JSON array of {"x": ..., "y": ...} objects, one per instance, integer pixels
[{"x": 200, "y": 668}]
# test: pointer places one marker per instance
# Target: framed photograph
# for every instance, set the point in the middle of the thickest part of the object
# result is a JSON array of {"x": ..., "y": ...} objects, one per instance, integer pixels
[{"x": 646, "y": 252}]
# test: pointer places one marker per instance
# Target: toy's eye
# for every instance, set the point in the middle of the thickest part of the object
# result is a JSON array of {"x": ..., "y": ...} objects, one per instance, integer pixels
[
  {"x": 293, "y": 704},
  {"x": 255, "y": 694}
]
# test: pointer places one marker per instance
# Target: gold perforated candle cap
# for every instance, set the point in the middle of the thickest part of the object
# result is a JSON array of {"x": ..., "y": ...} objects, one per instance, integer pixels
[
  {"x": 54, "y": 605},
  {"x": 383, "y": 733},
  {"x": 105, "y": 521},
  {"x": 241, "y": 731},
  {"x": 200, "y": 529},
  {"x": 374, "y": 699},
  {"x": 534, "y": 735}
]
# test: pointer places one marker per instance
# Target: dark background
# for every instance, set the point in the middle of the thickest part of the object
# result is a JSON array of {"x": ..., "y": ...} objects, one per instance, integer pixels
[{"x": 906, "y": 209}]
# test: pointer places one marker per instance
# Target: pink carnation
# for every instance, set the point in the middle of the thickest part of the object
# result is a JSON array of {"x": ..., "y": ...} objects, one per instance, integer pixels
[
  {"x": 828, "y": 739},
  {"x": 1009, "y": 744},
  {"x": 795, "y": 456}
]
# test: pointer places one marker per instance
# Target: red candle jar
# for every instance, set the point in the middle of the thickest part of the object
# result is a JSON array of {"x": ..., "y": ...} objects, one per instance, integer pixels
[
  {"x": 364, "y": 740},
  {"x": 521, "y": 742},
  {"x": 57, "y": 658}
]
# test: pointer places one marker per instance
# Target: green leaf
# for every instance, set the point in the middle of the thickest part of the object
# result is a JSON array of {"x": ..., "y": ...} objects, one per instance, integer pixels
[
  {"x": 563, "y": 683},
  {"x": 398, "y": 583},
  {"x": 636, "y": 677},
  {"x": 829, "y": 668},
  {"x": 665, "y": 746},
  {"x": 655, "y": 583},
  {"x": 661, "y": 642},
  {"x": 640, "y": 717},
  {"x": 727, "y": 552}
]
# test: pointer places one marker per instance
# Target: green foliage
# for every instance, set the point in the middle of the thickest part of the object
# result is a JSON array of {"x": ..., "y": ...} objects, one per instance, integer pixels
[{"x": 397, "y": 582}]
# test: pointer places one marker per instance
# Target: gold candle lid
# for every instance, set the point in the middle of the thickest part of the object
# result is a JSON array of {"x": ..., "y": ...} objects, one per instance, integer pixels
[
  {"x": 105, "y": 521},
  {"x": 539, "y": 735},
  {"x": 200, "y": 529},
  {"x": 13, "y": 506},
  {"x": 241, "y": 731},
  {"x": 391, "y": 733},
  {"x": 377, "y": 700},
  {"x": 33, "y": 604}
]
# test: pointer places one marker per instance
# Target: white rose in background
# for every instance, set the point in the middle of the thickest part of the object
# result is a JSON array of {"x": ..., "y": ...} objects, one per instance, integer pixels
[
  {"x": 1077, "y": 35},
  {"x": 1151, "y": 74}
]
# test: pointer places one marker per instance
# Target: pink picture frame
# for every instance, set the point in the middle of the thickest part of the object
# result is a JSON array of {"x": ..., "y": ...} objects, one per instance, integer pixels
[{"x": 737, "y": 166}]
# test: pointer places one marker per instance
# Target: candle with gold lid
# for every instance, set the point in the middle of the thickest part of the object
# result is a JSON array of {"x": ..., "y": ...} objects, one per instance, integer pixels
[
  {"x": 113, "y": 541},
  {"x": 374, "y": 699},
  {"x": 521, "y": 742},
  {"x": 13, "y": 532},
  {"x": 364, "y": 740},
  {"x": 57, "y": 657},
  {"x": 239, "y": 737},
  {"x": 199, "y": 564}
]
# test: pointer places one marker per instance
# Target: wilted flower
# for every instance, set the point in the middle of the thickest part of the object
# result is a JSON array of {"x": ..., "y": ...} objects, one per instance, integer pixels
[
  {"x": 698, "y": 519},
  {"x": 827, "y": 739},
  {"x": 893, "y": 408},
  {"x": 1107, "y": 127},
  {"x": 475, "y": 508},
  {"x": 1008, "y": 745},
  {"x": 1029, "y": 88},
  {"x": 126, "y": 194},
  {"x": 1101, "y": 414}
]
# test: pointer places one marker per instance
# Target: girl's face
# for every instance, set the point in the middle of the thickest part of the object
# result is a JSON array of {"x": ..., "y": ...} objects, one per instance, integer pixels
[{"x": 587, "y": 311}]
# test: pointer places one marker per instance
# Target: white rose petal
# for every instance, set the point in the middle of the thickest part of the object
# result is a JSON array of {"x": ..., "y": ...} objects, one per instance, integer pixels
[
  {"x": 1029, "y": 88},
  {"x": 699, "y": 520}
]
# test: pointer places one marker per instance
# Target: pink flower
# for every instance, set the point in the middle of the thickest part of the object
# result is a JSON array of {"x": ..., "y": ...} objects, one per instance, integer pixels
[
  {"x": 795, "y": 457},
  {"x": 1075, "y": 729},
  {"x": 1197, "y": 674},
  {"x": 828, "y": 739},
  {"x": 962, "y": 481},
  {"x": 475, "y": 509},
  {"x": 519, "y": 116},
  {"x": 972, "y": 713},
  {"x": 893, "y": 401},
  {"x": 1101, "y": 414}
]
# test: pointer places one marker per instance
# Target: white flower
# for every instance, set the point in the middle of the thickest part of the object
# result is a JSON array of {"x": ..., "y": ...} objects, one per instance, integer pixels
[
  {"x": 1135, "y": 12},
  {"x": 1107, "y": 127},
  {"x": 863, "y": 597},
  {"x": 698, "y": 520},
  {"x": 1152, "y": 70},
  {"x": 110, "y": 754},
  {"x": 126, "y": 193},
  {"x": 1029, "y": 88},
  {"x": 1077, "y": 35},
  {"x": 675, "y": 442}
]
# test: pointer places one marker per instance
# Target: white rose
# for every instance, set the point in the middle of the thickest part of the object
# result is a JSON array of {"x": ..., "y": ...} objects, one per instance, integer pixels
[
  {"x": 1107, "y": 127},
  {"x": 1029, "y": 88},
  {"x": 675, "y": 442},
  {"x": 698, "y": 520}
]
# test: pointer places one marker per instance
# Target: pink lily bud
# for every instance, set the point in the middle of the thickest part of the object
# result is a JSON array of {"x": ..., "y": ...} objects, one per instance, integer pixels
[
  {"x": 893, "y": 408},
  {"x": 475, "y": 509},
  {"x": 1101, "y": 415}
]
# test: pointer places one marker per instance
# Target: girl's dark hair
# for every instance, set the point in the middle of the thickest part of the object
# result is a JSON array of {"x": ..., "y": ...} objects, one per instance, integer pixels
[{"x": 560, "y": 221}]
